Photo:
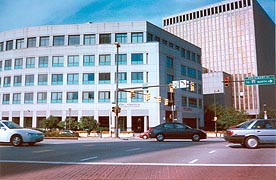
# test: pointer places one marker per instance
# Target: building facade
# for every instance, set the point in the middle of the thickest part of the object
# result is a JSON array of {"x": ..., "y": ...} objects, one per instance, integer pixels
[
  {"x": 70, "y": 71},
  {"x": 236, "y": 37}
]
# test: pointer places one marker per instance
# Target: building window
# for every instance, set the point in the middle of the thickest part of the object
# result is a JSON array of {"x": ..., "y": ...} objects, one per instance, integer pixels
[
  {"x": 183, "y": 70},
  {"x": 104, "y": 96},
  {"x": 169, "y": 78},
  {"x": 58, "y": 61},
  {"x": 122, "y": 77},
  {"x": 8, "y": 64},
  {"x": 6, "y": 99},
  {"x": 31, "y": 42},
  {"x": 42, "y": 97},
  {"x": 17, "y": 81},
  {"x": 1, "y": 65},
  {"x": 104, "y": 78},
  {"x": 42, "y": 79},
  {"x": 56, "y": 97},
  {"x": 192, "y": 102},
  {"x": 88, "y": 96},
  {"x": 44, "y": 41},
  {"x": 169, "y": 62},
  {"x": 188, "y": 54},
  {"x": 58, "y": 41},
  {"x": 137, "y": 58},
  {"x": 193, "y": 56},
  {"x": 9, "y": 45},
  {"x": 30, "y": 62},
  {"x": 105, "y": 39},
  {"x": 72, "y": 78},
  {"x": 89, "y": 39},
  {"x": 105, "y": 59},
  {"x": 7, "y": 81},
  {"x": 29, "y": 80},
  {"x": 28, "y": 98},
  {"x": 137, "y": 37},
  {"x": 88, "y": 60},
  {"x": 72, "y": 97},
  {"x": 73, "y": 61},
  {"x": 199, "y": 75},
  {"x": 122, "y": 96},
  {"x": 121, "y": 38},
  {"x": 88, "y": 78},
  {"x": 43, "y": 61},
  {"x": 1, "y": 46},
  {"x": 137, "y": 77},
  {"x": 122, "y": 59},
  {"x": 198, "y": 59},
  {"x": 149, "y": 37},
  {"x": 139, "y": 97},
  {"x": 16, "y": 98},
  {"x": 57, "y": 79},
  {"x": 191, "y": 72},
  {"x": 19, "y": 43},
  {"x": 18, "y": 63},
  {"x": 74, "y": 40}
]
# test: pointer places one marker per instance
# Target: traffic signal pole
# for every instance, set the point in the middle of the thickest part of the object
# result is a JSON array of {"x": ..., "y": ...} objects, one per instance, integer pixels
[{"x": 117, "y": 91}]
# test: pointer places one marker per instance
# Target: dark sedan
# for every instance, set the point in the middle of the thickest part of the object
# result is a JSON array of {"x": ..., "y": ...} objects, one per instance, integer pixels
[{"x": 176, "y": 131}]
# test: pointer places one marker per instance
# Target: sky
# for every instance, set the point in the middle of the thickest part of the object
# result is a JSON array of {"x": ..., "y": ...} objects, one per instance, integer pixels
[{"x": 26, "y": 13}]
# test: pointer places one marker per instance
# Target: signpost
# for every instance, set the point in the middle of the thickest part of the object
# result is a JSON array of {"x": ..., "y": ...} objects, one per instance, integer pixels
[{"x": 259, "y": 80}]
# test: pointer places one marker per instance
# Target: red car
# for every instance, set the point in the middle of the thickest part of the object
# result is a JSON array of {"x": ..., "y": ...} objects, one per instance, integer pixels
[{"x": 144, "y": 135}]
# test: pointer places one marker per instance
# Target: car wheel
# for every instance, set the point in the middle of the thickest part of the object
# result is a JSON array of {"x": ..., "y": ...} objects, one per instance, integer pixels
[
  {"x": 16, "y": 140},
  {"x": 160, "y": 137},
  {"x": 145, "y": 137},
  {"x": 251, "y": 142},
  {"x": 195, "y": 138}
]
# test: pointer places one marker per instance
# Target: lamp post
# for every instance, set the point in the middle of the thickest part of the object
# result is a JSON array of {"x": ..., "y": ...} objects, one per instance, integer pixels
[
  {"x": 265, "y": 112},
  {"x": 117, "y": 90},
  {"x": 69, "y": 118},
  {"x": 215, "y": 117}
]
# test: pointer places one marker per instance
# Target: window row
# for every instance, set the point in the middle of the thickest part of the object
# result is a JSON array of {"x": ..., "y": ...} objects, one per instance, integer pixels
[
  {"x": 70, "y": 40},
  {"x": 207, "y": 12},
  {"x": 72, "y": 60},
  {"x": 73, "y": 78}
]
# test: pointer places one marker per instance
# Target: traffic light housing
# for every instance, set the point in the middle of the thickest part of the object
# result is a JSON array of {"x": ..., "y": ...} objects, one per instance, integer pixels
[
  {"x": 159, "y": 99},
  {"x": 132, "y": 94},
  {"x": 192, "y": 88},
  {"x": 226, "y": 81},
  {"x": 147, "y": 96},
  {"x": 166, "y": 103},
  {"x": 114, "y": 109},
  {"x": 171, "y": 88}
]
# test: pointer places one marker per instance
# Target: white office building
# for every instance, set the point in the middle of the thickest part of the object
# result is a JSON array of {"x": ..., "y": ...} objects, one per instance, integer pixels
[{"x": 69, "y": 71}]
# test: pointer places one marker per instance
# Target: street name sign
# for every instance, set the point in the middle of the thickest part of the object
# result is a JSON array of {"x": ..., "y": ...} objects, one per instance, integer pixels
[{"x": 259, "y": 80}]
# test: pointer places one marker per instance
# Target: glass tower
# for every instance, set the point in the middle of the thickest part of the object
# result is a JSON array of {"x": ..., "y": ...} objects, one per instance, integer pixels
[{"x": 237, "y": 37}]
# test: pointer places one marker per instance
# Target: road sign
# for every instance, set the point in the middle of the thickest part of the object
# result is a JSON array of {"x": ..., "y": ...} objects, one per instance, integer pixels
[
  {"x": 259, "y": 80},
  {"x": 175, "y": 84},
  {"x": 183, "y": 83}
]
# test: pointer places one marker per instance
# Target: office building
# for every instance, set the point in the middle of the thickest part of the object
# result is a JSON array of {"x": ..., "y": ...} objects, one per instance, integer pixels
[
  {"x": 69, "y": 71},
  {"x": 236, "y": 37}
]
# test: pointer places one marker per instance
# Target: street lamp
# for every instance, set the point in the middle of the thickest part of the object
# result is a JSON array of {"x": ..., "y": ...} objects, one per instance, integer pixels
[
  {"x": 215, "y": 117},
  {"x": 117, "y": 90}
]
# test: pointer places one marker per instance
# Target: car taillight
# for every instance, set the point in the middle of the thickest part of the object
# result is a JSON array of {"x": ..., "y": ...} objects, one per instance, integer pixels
[{"x": 230, "y": 133}]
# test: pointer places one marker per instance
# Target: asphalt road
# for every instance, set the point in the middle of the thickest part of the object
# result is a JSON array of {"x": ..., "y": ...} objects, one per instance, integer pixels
[{"x": 137, "y": 159}]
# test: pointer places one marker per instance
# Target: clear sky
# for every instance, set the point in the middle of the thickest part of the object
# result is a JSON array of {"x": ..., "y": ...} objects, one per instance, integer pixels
[{"x": 25, "y": 13}]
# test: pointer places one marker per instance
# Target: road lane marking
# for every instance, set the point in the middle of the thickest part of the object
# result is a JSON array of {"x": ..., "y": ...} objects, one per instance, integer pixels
[
  {"x": 211, "y": 152},
  {"x": 135, "y": 164},
  {"x": 42, "y": 151},
  {"x": 193, "y": 161},
  {"x": 90, "y": 158},
  {"x": 135, "y": 149}
]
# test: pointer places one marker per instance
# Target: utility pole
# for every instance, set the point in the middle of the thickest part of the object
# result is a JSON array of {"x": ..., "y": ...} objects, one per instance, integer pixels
[{"x": 117, "y": 91}]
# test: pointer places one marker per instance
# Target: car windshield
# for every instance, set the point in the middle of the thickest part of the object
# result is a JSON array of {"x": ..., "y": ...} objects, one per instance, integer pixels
[
  {"x": 244, "y": 124},
  {"x": 12, "y": 125}
]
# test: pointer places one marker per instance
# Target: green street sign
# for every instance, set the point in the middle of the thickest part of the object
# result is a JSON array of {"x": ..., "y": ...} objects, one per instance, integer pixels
[{"x": 259, "y": 80}]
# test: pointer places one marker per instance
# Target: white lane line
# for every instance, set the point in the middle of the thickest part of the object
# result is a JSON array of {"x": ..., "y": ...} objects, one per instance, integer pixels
[
  {"x": 90, "y": 158},
  {"x": 135, "y": 149},
  {"x": 211, "y": 152},
  {"x": 193, "y": 161},
  {"x": 136, "y": 164}
]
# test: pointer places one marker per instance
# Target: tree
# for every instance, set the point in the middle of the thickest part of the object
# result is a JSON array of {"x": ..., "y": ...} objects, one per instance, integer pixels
[
  {"x": 71, "y": 123},
  {"x": 50, "y": 123},
  {"x": 88, "y": 123}
]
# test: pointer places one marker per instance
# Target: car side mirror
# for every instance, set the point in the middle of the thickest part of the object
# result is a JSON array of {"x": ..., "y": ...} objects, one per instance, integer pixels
[{"x": 3, "y": 128}]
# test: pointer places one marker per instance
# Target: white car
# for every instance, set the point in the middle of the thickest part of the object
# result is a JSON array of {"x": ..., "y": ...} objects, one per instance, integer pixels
[{"x": 11, "y": 132}]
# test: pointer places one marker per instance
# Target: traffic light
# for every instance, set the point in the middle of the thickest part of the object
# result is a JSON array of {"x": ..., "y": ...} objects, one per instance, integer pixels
[
  {"x": 159, "y": 99},
  {"x": 226, "y": 81},
  {"x": 114, "y": 109},
  {"x": 132, "y": 94},
  {"x": 171, "y": 88},
  {"x": 192, "y": 88},
  {"x": 119, "y": 109},
  {"x": 166, "y": 103},
  {"x": 147, "y": 96}
]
